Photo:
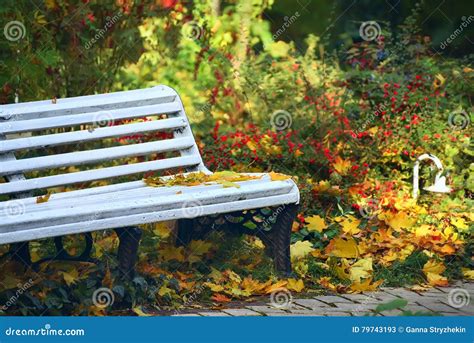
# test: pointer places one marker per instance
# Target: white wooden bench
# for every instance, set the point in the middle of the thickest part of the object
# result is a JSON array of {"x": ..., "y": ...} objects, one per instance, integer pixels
[{"x": 29, "y": 132}]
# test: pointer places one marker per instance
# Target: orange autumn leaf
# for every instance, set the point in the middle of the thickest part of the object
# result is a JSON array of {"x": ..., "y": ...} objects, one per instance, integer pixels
[{"x": 220, "y": 298}]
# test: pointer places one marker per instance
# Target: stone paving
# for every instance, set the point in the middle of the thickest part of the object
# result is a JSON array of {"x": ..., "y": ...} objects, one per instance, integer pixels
[{"x": 455, "y": 300}]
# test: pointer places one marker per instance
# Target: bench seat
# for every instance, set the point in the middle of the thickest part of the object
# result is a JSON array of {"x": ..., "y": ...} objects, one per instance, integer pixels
[{"x": 134, "y": 203}]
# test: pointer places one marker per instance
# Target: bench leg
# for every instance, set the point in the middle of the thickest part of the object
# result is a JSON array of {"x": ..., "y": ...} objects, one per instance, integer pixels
[
  {"x": 20, "y": 252},
  {"x": 186, "y": 232},
  {"x": 279, "y": 239},
  {"x": 128, "y": 250}
]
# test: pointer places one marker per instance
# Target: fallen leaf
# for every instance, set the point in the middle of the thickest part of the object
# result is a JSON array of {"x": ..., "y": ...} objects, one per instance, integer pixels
[
  {"x": 341, "y": 247},
  {"x": 42, "y": 199},
  {"x": 295, "y": 285},
  {"x": 220, "y": 298},
  {"x": 278, "y": 177},
  {"x": 300, "y": 249},
  {"x": 315, "y": 223}
]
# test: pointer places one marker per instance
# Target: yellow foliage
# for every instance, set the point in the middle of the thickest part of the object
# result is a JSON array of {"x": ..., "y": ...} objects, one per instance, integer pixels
[{"x": 315, "y": 223}]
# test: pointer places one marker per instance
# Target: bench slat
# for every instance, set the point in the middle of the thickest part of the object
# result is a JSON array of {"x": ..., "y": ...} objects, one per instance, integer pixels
[
  {"x": 86, "y": 118},
  {"x": 90, "y": 156},
  {"x": 56, "y": 202},
  {"x": 46, "y": 108},
  {"x": 143, "y": 218},
  {"x": 98, "y": 174},
  {"x": 114, "y": 207},
  {"x": 86, "y": 135}
]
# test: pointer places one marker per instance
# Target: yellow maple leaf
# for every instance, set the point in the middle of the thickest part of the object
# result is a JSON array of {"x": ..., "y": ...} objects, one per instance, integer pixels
[
  {"x": 341, "y": 247},
  {"x": 300, "y": 249},
  {"x": 433, "y": 266},
  {"x": 42, "y": 199},
  {"x": 468, "y": 273},
  {"x": 278, "y": 176},
  {"x": 165, "y": 290},
  {"x": 162, "y": 230},
  {"x": 459, "y": 223},
  {"x": 276, "y": 286},
  {"x": 436, "y": 279},
  {"x": 315, "y": 223},
  {"x": 172, "y": 253},
  {"x": 70, "y": 276},
  {"x": 295, "y": 285},
  {"x": 401, "y": 220},
  {"x": 362, "y": 269},
  {"x": 139, "y": 312},
  {"x": 422, "y": 230},
  {"x": 365, "y": 286},
  {"x": 350, "y": 225},
  {"x": 214, "y": 287},
  {"x": 341, "y": 166},
  {"x": 433, "y": 270}
]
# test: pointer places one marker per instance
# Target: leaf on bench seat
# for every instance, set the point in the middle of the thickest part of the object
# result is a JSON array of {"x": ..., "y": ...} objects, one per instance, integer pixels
[
  {"x": 278, "y": 177},
  {"x": 43, "y": 198},
  {"x": 225, "y": 178}
]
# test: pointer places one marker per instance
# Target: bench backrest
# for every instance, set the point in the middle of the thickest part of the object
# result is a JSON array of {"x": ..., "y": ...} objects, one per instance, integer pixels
[{"x": 75, "y": 120}]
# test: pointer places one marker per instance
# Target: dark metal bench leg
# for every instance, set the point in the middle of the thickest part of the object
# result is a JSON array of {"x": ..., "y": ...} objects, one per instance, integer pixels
[
  {"x": 280, "y": 239},
  {"x": 128, "y": 250},
  {"x": 20, "y": 252},
  {"x": 185, "y": 232}
]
